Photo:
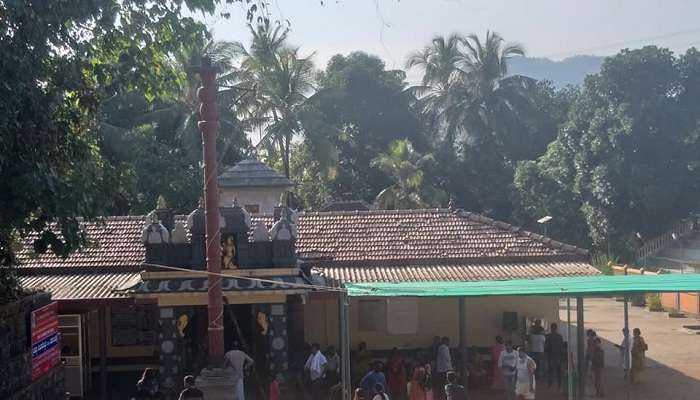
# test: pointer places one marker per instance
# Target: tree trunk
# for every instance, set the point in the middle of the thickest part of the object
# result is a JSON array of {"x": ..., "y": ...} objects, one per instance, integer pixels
[{"x": 286, "y": 153}]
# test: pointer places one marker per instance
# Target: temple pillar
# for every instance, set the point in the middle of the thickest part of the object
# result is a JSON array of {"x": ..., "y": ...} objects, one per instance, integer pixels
[
  {"x": 172, "y": 322},
  {"x": 279, "y": 341}
]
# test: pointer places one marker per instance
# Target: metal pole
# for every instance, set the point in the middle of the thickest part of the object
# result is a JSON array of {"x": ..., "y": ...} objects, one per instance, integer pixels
[
  {"x": 344, "y": 305},
  {"x": 626, "y": 356},
  {"x": 569, "y": 366},
  {"x": 208, "y": 125},
  {"x": 103, "y": 351},
  {"x": 462, "y": 339},
  {"x": 580, "y": 349}
]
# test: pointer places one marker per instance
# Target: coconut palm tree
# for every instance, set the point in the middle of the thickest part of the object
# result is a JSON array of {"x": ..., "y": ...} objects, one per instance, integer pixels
[
  {"x": 464, "y": 82},
  {"x": 439, "y": 63},
  {"x": 485, "y": 98},
  {"x": 405, "y": 167},
  {"x": 284, "y": 81},
  {"x": 487, "y": 63}
]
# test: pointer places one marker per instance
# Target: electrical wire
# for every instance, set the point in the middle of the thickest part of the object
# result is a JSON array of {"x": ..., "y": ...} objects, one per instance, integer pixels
[{"x": 291, "y": 284}]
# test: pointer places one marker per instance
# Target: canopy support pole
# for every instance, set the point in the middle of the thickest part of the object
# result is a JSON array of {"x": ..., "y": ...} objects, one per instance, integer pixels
[
  {"x": 462, "y": 340},
  {"x": 626, "y": 358},
  {"x": 102, "y": 314},
  {"x": 580, "y": 349},
  {"x": 344, "y": 314},
  {"x": 569, "y": 361}
]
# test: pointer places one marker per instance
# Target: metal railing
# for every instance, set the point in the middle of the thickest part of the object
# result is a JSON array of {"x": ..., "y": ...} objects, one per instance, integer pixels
[{"x": 653, "y": 246}]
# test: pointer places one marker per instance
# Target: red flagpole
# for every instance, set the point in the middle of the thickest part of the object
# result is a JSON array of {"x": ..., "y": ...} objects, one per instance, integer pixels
[{"x": 208, "y": 125}]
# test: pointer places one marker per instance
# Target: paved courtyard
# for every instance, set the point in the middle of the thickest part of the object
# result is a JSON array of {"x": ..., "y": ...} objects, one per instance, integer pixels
[{"x": 673, "y": 359}]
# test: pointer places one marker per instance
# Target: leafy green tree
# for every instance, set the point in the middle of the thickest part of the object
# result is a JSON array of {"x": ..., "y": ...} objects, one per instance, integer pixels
[
  {"x": 284, "y": 80},
  {"x": 144, "y": 141},
  {"x": 405, "y": 168},
  {"x": 627, "y": 156},
  {"x": 440, "y": 64},
  {"x": 360, "y": 107},
  {"x": 311, "y": 178},
  {"x": 59, "y": 61}
]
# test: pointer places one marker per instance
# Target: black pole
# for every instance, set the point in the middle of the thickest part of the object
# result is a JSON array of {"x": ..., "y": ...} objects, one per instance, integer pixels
[
  {"x": 344, "y": 306},
  {"x": 580, "y": 349},
  {"x": 462, "y": 340},
  {"x": 103, "y": 352}
]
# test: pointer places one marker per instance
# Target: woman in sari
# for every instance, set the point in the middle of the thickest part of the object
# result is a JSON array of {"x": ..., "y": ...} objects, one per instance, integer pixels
[
  {"x": 417, "y": 388},
  {"x": 396, "y": 376},
  {"x": 496, "y": 351}
]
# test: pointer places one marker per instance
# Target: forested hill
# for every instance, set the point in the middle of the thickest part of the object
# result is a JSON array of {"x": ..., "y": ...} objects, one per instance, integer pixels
[{"x": 569, "y": 71}]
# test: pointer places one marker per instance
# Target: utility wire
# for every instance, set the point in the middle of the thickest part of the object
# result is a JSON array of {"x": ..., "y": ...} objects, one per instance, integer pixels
[{"x": 619, "y": 44}]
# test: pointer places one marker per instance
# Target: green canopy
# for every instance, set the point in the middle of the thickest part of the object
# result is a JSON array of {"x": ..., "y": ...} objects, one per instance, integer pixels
[{"x": 562, "y": 286}]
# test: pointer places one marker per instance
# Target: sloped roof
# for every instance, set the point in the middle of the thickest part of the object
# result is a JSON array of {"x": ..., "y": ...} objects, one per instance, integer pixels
[
  {"x": 337, "y": 275},
  {"x": 393, "y": 237},
  {"x": 345, "y": 238},
  {"x": 86, "y": 286},
  {"x": 252, "y": 173},
  {"x": 115, "y": 246}
]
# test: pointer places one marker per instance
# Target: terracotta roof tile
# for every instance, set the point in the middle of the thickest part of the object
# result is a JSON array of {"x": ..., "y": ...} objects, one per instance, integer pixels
[
  {"x": 86, "y": 286},
  {"x": 408, "y": 244},
  {"x": 337, "y": 275}
]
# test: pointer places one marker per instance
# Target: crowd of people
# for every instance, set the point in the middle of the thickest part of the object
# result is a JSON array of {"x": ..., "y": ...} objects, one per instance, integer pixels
[{"x": 434, "y": 373}]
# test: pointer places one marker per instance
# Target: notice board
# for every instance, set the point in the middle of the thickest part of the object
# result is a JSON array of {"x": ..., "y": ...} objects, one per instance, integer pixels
[
  {"x": 402, "y": 316},
  {"x": 46, "y": 350}
]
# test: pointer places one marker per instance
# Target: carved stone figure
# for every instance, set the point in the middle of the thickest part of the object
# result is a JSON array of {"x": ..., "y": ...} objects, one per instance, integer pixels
[{"x": 228, "y": 252}]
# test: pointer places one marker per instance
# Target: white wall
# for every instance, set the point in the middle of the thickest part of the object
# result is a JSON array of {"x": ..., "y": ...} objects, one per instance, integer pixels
[
  {"x": 436, "y": 317},
  {"x": 267, "y": 198}
]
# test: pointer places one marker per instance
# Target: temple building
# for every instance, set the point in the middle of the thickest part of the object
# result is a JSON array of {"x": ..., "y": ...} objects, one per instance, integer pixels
[
  {"x": 137, "y": 298},
  {"x": 256, "y": 186}
]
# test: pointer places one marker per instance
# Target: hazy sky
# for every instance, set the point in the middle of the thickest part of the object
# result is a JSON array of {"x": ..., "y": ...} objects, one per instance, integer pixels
[{"x": 546, "y": 28}]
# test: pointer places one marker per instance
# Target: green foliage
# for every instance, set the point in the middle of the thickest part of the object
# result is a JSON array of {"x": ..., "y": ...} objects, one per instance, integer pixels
[
  {"x": 653, "y": 301},
  {"x": 484, "y": 121},
  {"x": 147, "y": 141},
  {"x": 59, "y": 61},
  {"x": 283, "y": 80},
  {"x": 604, "y": 263},
  {"x": 626, "y": 159},
  {"x": 361, "y": 108},
  {"x": 312, "y": 188},
  {"x": 405, "y": 168}
]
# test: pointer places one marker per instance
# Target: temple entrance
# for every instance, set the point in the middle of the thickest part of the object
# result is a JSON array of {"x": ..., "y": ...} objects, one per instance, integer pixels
[{"x": 244, "y": 325}]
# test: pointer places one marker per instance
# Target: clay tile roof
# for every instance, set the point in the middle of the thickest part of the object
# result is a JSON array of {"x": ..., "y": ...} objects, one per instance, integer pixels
[
  {"x": 88, "y": 286},
  {"x": 429, "y": 235},
  {"x": 115, "y": 246},
  {"x": 407, "y": 243},
  {"x": 337, "y": 275},
  {"x": 249, "y": 173}
]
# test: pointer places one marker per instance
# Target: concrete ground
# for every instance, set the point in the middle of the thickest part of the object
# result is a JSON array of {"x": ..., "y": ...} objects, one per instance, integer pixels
[{"x": 673, "y": 359}]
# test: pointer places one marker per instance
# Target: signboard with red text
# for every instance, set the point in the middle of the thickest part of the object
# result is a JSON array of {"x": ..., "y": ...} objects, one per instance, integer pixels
[{"x": 46, "y": 349}]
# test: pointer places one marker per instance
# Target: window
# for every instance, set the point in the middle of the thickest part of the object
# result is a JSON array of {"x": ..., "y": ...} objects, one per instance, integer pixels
[
  {"x": 372, "y": 315},
  {"x": 252, "y": 208}
]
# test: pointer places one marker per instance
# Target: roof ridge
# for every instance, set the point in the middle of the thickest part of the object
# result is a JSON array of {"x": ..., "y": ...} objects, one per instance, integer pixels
[
  {"x": 547, "y": 241},
  {"x": 378, "y": 212},
  {"x": 553, "y": 258}
]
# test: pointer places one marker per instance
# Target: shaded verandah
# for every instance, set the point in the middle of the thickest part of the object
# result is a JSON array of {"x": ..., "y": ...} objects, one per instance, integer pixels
[{"x": 567, "y": 287}]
